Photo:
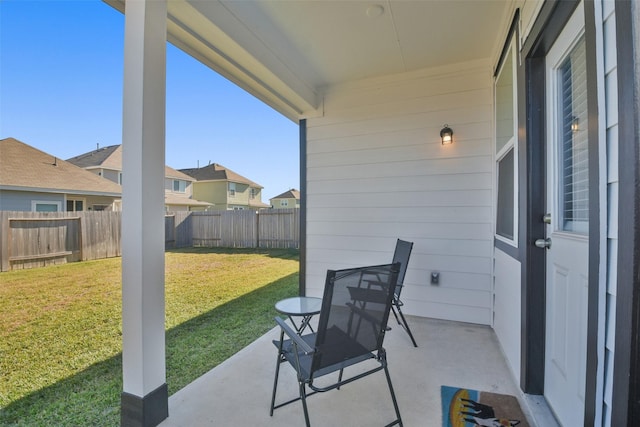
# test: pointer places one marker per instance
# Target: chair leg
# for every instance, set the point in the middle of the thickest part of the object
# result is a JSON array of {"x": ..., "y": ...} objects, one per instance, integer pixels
[
  {"x": 406, "y": 327},
  {"x": 303, "y": 397},
  {"x": 393, "y": 310},
  {"x": 275, "y": 379},
  {"x": 398, "y": 421}
]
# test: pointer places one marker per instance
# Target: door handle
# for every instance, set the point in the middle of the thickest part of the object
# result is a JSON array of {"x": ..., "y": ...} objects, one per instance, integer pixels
[
  {"x": 546, "y": 218},
  {"x": 544, "y": 243}
]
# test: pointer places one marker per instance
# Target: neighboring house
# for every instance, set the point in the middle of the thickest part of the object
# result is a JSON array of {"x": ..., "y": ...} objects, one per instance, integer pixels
[
  {"x": 531, "y": 214},
  {"x": 178, "y": 188},
  {"x": 107, "y": 163},
  {"x": 286, "y": 200},
  {"x": 32, "y": 180},
  {"x": 224, "y": 188}
]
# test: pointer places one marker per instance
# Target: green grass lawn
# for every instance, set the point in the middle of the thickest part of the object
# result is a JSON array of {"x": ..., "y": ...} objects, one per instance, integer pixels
[{"x": 61, "y": 328}]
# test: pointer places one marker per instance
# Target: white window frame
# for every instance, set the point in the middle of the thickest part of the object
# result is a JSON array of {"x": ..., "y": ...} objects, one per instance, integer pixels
[
  {"x": 182, "y": 186},
  {"x": 511, "y": 144},
  {"x": 74, "y": 200},
  {"x": 577, "y": 30},
  {"x": 35, "y": 203},
  {"x": 232, "y": 189},
  {"x": 284, "y": 202}
]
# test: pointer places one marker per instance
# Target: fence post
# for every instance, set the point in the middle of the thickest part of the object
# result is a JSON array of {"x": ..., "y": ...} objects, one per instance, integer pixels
[{"x": 257, "y": 229}]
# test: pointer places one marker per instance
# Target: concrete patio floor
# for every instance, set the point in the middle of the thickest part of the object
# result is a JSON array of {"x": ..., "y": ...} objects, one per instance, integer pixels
[{"x": 238, "y": 391}]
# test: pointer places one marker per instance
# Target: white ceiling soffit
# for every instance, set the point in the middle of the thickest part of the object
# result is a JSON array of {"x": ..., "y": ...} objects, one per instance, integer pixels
[{"x": 286, "y": 52}]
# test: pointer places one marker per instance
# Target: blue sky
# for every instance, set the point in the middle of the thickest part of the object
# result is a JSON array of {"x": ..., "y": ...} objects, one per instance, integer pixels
[{"x": 61, "y": 68}]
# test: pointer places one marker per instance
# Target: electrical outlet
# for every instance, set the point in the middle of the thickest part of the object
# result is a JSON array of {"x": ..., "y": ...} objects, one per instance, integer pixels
[{"x": 435, "y": 277}]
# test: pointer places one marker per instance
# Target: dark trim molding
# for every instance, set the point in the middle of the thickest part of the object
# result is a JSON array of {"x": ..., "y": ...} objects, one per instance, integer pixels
[
  {"x": 532, "y": 143},
  {"x": 508, "y": 249},
  {"x": 533, "y": 268},
  {"x": 625, "y": 410},
  {"x": 302, "y": 285},
  {"x": 147, "y": 411},
  {"x": 593, "y": 291}
]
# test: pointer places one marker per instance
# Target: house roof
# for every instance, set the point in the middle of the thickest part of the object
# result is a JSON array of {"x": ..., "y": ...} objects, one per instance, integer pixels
[
  {"x": 291, "y": 194},
  {"x": 23, "y": 167},
  {"x": 254, "y": 203},
  {"x": 111, "y": 158},
  {"x": 286, "y": 54},
  {"x": 170, "y": 172},
  {"x": 106, "y": 157},
  {"x": 183, "y": 200},
  {"x": 217, "y": 172}
]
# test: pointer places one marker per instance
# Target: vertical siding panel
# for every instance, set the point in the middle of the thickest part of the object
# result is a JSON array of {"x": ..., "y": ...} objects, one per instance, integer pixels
[{"x": 611, "y": 140}]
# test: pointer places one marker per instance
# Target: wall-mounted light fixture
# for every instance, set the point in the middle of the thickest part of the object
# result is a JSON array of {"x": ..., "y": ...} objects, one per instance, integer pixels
[
  {"x": 575, "y": 124},
  {"x": 446, "y": 134}
]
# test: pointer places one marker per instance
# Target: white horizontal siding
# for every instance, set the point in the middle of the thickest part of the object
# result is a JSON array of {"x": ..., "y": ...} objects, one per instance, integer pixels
[{"x": 376, "y": 171}]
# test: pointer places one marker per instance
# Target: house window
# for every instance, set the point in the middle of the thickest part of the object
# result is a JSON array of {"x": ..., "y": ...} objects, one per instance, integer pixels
[
  {"x": 284, "y": 203},
  {"x": 573, "y": 155},
  {"x": 506, "y": 149},
  {"x": 75, "y": 205},
  {"x": 179, "y": 186},
  {"x": 505, "y": 208},
  {"x": 253, "y": 193},
  {"x": 41, "y": 206},
  {"x": 120, "y": 178},
  {"x": 232, "y": 189}
]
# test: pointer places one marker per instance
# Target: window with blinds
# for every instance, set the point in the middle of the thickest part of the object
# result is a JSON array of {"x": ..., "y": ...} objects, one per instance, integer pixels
[{"x": 573, "y": 158}]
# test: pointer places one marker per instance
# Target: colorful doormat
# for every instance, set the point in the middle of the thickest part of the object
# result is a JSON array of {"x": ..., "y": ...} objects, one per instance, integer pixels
[{"x": 463, "y": 407}]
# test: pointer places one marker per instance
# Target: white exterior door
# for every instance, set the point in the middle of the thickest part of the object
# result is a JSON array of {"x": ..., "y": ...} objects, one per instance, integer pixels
[{"x": 567, "y": 228}]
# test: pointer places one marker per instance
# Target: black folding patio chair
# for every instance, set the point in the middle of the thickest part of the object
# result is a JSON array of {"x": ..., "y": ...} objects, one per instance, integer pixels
[
  {"x": 401, "y": 255},
  {"x": 351, "y": 330}
]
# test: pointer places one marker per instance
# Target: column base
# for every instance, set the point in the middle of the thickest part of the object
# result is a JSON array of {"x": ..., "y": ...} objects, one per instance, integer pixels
[{"x": 147, "y": 411}]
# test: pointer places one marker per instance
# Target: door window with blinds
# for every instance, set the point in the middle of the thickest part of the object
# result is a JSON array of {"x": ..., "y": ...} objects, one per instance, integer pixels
[
  {"x": 506, "y": 148},
  {"x": 572, "y": 165}
]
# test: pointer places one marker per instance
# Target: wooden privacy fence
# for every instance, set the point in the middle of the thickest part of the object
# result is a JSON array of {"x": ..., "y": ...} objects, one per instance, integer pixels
[
  {"x": 37, "y": 239},
  {"x": 34, "y": 239}
]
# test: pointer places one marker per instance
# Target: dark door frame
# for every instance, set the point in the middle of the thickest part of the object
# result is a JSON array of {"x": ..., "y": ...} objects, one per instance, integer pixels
[
  {"x": 532, "y": 143},
  {"x": 625, "y": 403}
]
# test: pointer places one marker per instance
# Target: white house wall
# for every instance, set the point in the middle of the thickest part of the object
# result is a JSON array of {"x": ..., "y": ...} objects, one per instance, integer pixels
[
  {"x": 507, "y": 288},
  {"x": 376, "y": 171}
]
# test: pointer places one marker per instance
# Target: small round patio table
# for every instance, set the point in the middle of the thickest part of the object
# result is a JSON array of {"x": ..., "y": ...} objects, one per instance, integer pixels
[{"x": 305, "y": 307}]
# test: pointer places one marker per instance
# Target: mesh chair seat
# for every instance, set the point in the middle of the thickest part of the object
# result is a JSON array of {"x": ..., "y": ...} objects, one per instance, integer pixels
[
  {"x": 339, "y": 355},
  {"x": 351, "y": 330}
]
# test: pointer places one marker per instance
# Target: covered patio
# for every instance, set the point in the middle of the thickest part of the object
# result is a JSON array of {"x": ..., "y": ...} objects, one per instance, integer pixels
[
  {"x": 238, "y": 391},
  {"x": 373, "y": 86}
]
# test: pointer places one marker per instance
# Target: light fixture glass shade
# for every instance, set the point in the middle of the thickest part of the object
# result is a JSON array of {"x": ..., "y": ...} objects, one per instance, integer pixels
[{"x": 446, "y": 134}]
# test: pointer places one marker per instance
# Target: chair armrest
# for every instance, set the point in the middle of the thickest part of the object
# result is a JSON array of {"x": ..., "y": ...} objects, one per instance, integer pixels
[{"x": 299, "y": 342}]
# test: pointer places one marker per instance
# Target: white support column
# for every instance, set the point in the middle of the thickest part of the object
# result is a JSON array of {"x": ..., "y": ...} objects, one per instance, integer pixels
[{"x": 144, "y": 397}]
